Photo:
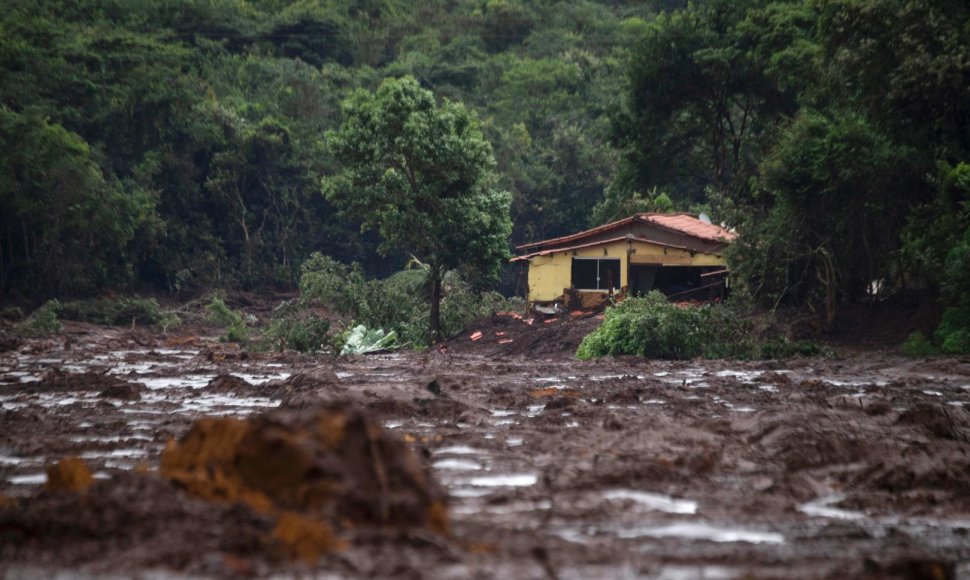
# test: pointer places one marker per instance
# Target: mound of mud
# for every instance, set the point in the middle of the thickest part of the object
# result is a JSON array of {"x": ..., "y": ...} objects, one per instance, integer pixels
[
  {"x": 817, "y": 439},
  {"x": 126, "y": 392},
  {"x": 939, "y": 422},
  {"x": 335, "y": 463},
  {"x": 233, "y": 496},
  {"x": 297, "y": 390},
  {"x": 230, "y": 384},
  {"x": 70, "y": 474},
  {"x": 504, "y": 336},
  {"x": 56, "y": 380},
  {"x": 948, "y": 473},
  {"x": 131, "y": 520}
]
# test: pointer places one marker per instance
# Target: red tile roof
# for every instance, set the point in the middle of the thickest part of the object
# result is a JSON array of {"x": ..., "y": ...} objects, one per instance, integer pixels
[
  {"x": 690, "y": 225},
  {"x": 684, "y": 223}
]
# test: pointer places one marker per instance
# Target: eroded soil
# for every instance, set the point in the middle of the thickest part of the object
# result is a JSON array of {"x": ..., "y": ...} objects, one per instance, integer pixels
[{"x": 842, "y": 467}]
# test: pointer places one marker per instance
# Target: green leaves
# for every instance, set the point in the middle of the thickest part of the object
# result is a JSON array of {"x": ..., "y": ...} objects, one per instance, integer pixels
[
  {"x": 652, "y": 327},
  {"x": 420, "y": 175},
  {"x": 76, "y": 221}
]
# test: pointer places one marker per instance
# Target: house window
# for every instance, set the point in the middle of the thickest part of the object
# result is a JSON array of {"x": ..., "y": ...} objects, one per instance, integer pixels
[{"x": 596, "y": 273}]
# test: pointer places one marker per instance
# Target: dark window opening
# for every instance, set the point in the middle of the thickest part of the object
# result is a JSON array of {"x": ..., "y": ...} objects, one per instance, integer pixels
[
  {"x": 687, "y": 283},
  {"x": 596, "y": 274}
]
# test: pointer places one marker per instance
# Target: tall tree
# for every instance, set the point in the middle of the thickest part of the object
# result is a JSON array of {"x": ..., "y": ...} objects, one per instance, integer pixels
[
  {"x": 705, "y": 87},
  {"x": 419, "y": 174}
]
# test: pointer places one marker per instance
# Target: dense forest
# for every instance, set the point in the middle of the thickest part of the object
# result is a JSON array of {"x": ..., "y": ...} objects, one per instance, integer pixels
[{"x": 176, "y": 145}]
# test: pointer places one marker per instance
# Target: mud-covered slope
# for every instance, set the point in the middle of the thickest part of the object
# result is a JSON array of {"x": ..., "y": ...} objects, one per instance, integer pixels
[{"x": 845, "y": 467}]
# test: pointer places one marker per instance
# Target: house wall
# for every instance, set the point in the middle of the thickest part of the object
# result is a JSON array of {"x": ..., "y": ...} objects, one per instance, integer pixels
[{"x": 549, "y": 275}]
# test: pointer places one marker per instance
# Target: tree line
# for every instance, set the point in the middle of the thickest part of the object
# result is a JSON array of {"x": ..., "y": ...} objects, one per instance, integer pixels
[
  {"x": 181, "y": 144},
  {"x": 833, "y": 134}
]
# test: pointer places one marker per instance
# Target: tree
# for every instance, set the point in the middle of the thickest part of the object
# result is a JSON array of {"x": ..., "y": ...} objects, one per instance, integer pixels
[
  {"x": 65, "y": 226},
  {"x": 419, "y": 174},
  {"x": 705, "y": 87}
]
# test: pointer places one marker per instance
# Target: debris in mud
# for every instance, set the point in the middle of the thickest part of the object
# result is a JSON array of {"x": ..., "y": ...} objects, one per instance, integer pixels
[
  {"x": 10, "y": 343},
  {"x": 554, "y": 392},
  {"x": 71, "y": 474},
  {"x": 229, "y": 384},
  {"x": 138, "y": 519},
  {"x": 303, "y": 538},
  {"x": 336, "y": 463},
  {"x": 220, "y": 354},
  {"x": 842, "y": 459},
  {"x": 505, "y": 335},
  {"x": 56, "y": 379},
  {"x": 434, "y": 386},
  {"x": 911, "y": 569},
  {"x": 611, "y": 423},
  {"x": 309, "y": 381},
  {"x": 124, "y": 392},
  {"x": 866, "y": 404},
  {"x": 937, "y": 421}
]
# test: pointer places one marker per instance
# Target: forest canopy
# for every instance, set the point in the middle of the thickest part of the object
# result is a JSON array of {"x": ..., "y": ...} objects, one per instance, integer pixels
[{"x": 179, "y": 145}]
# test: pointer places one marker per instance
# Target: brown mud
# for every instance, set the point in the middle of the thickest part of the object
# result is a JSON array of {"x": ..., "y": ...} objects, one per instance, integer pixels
[{"x": 854, "y": 466}]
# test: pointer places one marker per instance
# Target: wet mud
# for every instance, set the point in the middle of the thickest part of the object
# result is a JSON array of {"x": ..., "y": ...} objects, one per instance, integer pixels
[{"x": 480, "y": 459}]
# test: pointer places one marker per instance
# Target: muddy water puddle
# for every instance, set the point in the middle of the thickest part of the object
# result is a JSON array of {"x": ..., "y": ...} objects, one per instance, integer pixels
[{"x": 611, "y": 468}]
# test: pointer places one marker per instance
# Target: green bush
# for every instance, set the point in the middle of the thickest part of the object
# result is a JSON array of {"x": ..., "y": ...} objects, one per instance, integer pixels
[
  {"x": 43, "y": 321},
  {"x": 296, "y": 328},
  {"x": 953, "y": 333},
  {"x": 339, "y": 287},
  {"x": 783, "y": 347},
  {"x": 114, "y": 312},
  {"x": 649, "y": 327},
  {"x": 917, "y": 344},
  {"x": 11, "y": 313},
  {"x": 221, "y": 315},
  {"x": 398, "y": 303},
  {"x": 653, "y": 327}
]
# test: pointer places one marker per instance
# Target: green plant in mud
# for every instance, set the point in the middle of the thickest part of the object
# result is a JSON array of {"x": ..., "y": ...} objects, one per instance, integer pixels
[
  {"x": 395, "y": 303},
  {"x": 114, "y": 311},
  {"x": 14, "y": 313},
  {"x": 298, "y": 328},
  {"x": 918, "y": 345},
  {"x": 653, "y": 327},
  {"x": 233, "y": 322},
  {"x": 649, "y": 327},
  {"x": 43, "y": 321}
]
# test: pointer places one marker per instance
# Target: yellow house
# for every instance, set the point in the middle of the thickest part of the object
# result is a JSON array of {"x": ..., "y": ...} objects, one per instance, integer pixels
[{"x": 677, "y": 254}]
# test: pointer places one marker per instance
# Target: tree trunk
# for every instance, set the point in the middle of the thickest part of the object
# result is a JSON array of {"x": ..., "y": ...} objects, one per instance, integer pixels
[
  {"x": 827, "y": 276},
  {"x": 435, "y": 274}
]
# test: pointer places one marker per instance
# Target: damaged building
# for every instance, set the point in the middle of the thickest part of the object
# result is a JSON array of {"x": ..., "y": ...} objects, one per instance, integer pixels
[{"x": 680, "y": 254}]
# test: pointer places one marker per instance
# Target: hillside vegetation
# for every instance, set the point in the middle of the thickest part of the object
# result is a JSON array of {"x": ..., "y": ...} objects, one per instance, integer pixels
[{"x": 180, "y": 145}]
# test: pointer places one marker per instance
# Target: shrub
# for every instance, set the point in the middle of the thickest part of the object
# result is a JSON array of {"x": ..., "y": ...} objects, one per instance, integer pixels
[
  {"x": 653, "y": 327},
  {"x": 953, "y": 333},
  {"x": 221, "y": 315},
  {"x": 11, "y": 313},
  {"x": 43, "y": 321},
  {"x": 114, "y": 312},
  {"x": 917, "y": 344},
  {"x": 398, "y": 303},
  {"x": 649, "y": 327},
  {"x": 340, "y": 287},
  {"x": 296, "y": 328}
]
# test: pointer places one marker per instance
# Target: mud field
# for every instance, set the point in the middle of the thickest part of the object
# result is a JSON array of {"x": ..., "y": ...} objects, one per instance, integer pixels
[{"x": 855, "y": 466}]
